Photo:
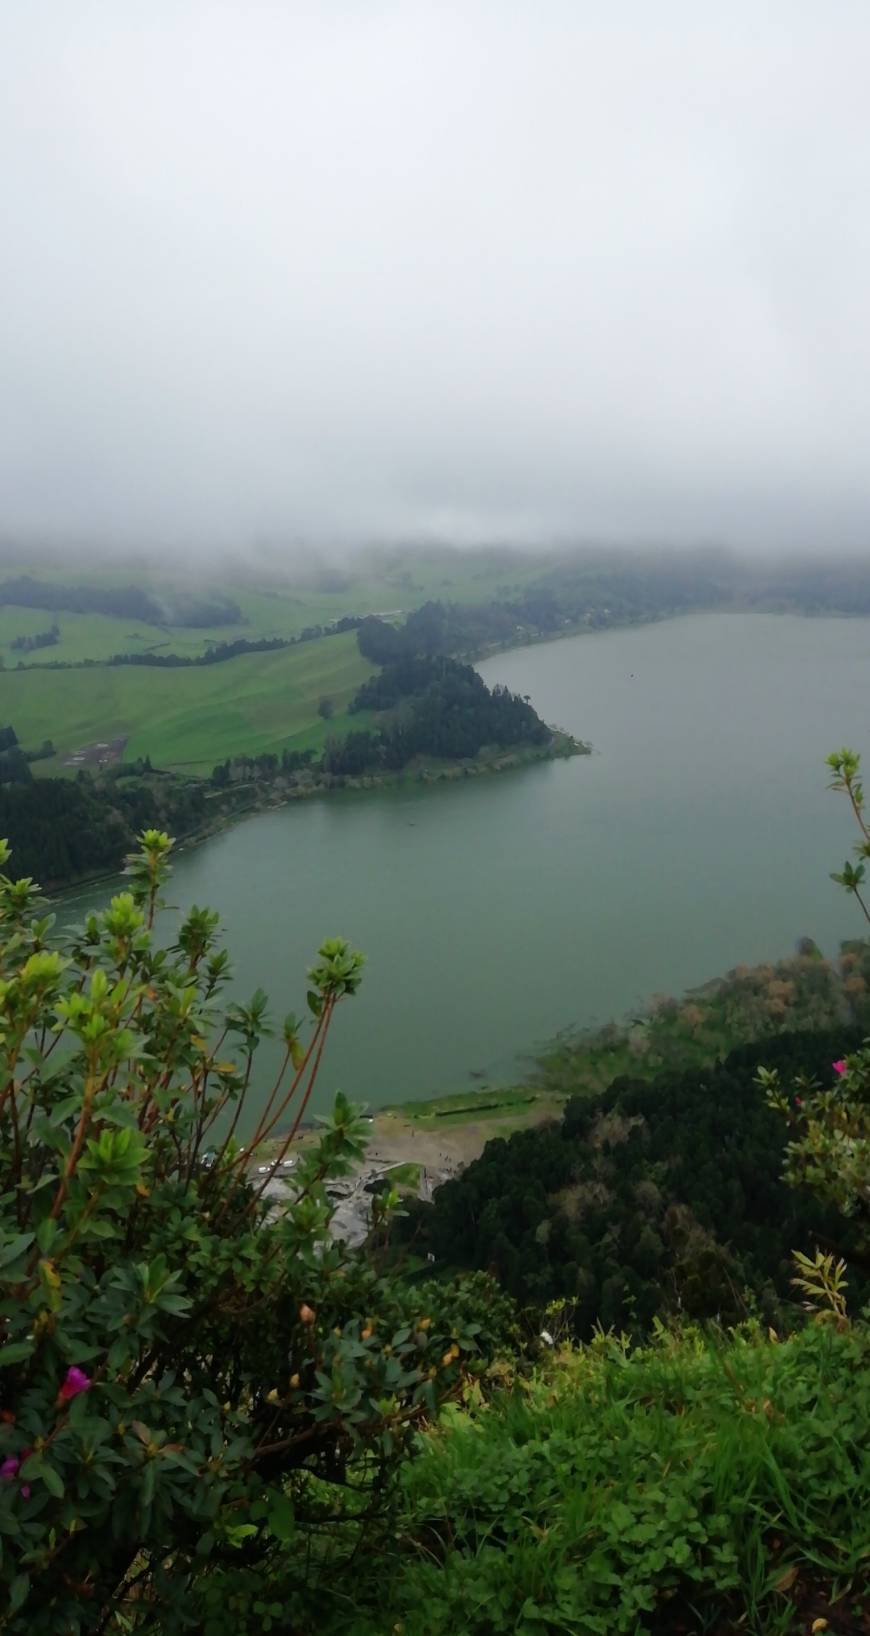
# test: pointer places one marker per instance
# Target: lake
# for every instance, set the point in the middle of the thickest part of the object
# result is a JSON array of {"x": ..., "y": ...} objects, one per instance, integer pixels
[{"x": 496, "y": 911}]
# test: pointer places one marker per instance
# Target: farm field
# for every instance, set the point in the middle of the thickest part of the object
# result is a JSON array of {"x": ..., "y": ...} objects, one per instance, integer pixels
[
  {"x": 189, "y": 719},
  {"x": 272, "y": 604}
]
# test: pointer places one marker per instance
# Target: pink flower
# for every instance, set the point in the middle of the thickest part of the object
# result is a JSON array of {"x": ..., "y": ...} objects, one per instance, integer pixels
[
  {"x": 798, "y": 1101},
  {"x": 839, "y": 1067},
  {"x": 76, "y": 1381},
  {"x": 9, "y": 1469}
]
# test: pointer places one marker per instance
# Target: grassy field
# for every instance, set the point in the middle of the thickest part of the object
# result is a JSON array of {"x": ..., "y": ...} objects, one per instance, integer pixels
[
  {"x": 100, "y": 636},
  {"x": 500, "y": 1104},
  {"x": 189, "y": 719},
  {"x": 273, "y": 603}
]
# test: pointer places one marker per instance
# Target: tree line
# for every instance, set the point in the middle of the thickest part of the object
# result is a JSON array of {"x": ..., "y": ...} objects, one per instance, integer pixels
[
  {"x": 122, "y": 601},
  {"x": 445, "y": 709},
  {"x": 63, "y": 828},
  {"x": 658, "y": 1197},
  {"x": 429, "y": 706},
  {"x": 39, "y": 639},
  {"x": 593, "y": 590},
  {"x": 217, "y": 654}
]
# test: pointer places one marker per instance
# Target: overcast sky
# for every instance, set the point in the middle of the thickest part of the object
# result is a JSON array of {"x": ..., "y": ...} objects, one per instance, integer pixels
[{"x": 468, "y": 268}]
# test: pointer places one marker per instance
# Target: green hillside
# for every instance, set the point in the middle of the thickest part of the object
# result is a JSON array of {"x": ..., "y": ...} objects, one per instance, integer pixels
[
  {"x": 189, "y": 718},
  {"x": 272, "y": 603}
]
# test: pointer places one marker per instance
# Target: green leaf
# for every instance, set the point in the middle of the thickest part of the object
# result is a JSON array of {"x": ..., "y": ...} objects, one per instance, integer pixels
[
  {"x": 53, "y": 1481},
  {"x": 15, "y": 1352},
  {"x": 18, "y": 1592},
  {"x": 15, "y": 1247},
  {"x": 281, "y": 1518}
]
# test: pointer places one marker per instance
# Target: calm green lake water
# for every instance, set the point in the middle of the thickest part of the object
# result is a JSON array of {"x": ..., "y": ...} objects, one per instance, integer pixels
[{"x": 496, "y": 911}]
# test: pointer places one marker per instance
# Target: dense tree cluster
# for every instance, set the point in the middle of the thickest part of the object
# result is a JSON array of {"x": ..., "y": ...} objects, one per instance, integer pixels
[
  {"x": 261, "y": 768},
  {"x": 430, "y": 706},
  {"x": 660, "y": 1196},
  {"x": 123, "y": 601},
  {"x": 442, "y": 708},
  {"x": 14, "y": 761},
  {"x": 596, "y": 590},
  {"x": 398, "y": 680},
  {"x": 39, "y": 639},
  {"x": 15, "y": 766},
  {"x": 382, "y": 643},
  {"x": 62, "y": 828}
]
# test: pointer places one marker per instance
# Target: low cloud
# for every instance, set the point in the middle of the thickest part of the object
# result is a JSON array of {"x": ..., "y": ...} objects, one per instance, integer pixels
[{"x": 466, "y": 270}]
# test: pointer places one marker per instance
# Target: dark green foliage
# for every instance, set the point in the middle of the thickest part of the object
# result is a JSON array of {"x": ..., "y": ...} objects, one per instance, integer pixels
[
  {"x": 15, "y": 766},
  {"x": 442, "y": 708},
  {"x": 579, "y": 593},
  {"x": 39, "y": 639},
  {"x": 263, "y": 768},
  {"x": 399, "y": 680},
  {"x": 380, "y": 642},
  {"x": 434, "y": 707},
  {"x": 125, "y": 601},
  {"x": 698, "y": 1485},
  {"x": 201, "y": 1388},
  {"x": 828, "y": 1121},
  {"x": 658, "y": 1196},
  {"x": 44, "y": 753},
  {"x": 355, "y": 753},
  {"x": 61, "y": 828},
  {"x": 595, "y": 590}
]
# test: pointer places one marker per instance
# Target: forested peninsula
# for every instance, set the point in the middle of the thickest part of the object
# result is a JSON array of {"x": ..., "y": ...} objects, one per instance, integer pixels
[
  {"x": 420, "y": 710},
  {"x": 429, "y": 717}
]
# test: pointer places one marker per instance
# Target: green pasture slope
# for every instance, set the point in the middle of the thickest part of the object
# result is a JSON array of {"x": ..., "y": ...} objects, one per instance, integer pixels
[
  {"x": 189, "y": 719},
  {"x": 271, "y": 604},
  {"x": 101, "y": 636}
]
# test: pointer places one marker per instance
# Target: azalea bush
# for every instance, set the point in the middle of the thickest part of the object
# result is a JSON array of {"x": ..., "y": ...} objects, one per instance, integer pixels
[
  {"x": 829, "y": 1149},
  {"x": 845, "y": 767},
  {"x": 829, "y": 1120},
  {"x": 203, "y": 1395}
]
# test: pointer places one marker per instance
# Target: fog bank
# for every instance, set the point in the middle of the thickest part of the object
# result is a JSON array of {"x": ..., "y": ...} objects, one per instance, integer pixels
[{"x": 291, "y": 273}]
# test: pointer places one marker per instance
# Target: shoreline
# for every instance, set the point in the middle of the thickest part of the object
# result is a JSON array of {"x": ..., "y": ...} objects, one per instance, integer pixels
[
  {"x": 227, "y": 819},
  {"x": 561, "y": 746}
]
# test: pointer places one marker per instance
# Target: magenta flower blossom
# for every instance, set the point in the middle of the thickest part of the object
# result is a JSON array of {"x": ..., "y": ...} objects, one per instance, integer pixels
[
  {"x": 839, "y": 1067},
  {"x": 76, "y": 1381},
  {"x": 798, "y": 1101},
  {"x": 9, "y": 1469}
]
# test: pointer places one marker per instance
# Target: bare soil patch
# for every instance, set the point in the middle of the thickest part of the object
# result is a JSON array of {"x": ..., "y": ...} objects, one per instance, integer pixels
[{"x": 103, "y": 754}]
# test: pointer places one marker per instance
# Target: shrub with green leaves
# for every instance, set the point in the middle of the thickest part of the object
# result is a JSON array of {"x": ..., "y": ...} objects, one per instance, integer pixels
[
  {"x": 202, "y": 1393},
  {"x": 829, "y": 1121},
  {"x": 829, "y": 1146}
]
